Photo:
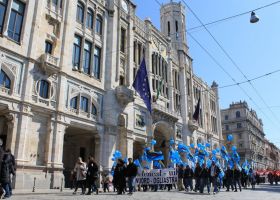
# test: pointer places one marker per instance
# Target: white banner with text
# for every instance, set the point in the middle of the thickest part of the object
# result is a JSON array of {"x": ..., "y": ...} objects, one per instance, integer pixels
[{"x": 157, "y": 176}]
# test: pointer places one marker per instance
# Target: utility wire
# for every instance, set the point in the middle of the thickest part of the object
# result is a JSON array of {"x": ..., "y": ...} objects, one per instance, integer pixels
[
  {"x": 231, "y": 59},
  {"x": 222, "y": 68},
  {"x": 234, "y": 16}
]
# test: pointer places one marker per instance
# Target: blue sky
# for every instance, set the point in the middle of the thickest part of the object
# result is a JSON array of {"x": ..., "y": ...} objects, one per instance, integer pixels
[{"x": 254, "y": 47}]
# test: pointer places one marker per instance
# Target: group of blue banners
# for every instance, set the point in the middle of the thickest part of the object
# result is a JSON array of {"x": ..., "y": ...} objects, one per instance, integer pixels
[{"x": 181, "y": 154}]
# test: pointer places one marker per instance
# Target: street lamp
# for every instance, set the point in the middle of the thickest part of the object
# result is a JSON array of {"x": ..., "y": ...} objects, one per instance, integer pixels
[{"x": 254, "y": 18}]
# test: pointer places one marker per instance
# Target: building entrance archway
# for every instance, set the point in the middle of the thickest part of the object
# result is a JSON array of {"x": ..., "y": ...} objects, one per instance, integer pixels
[
  {"x": 163, "y": 132},
  {"x": 78, "y": 142}
]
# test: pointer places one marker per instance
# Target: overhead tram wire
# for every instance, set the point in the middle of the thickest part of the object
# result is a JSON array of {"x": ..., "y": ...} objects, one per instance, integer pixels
[
  {"x": 225, "y": 71},
  {"x": 234, "y": 16},
  {"x": 231, "y": 59},
  {"x": 226, "y": 18}
]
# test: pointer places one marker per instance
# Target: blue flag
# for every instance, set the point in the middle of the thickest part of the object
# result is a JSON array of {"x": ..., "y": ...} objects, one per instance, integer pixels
[{"x": 141, "y": 85}]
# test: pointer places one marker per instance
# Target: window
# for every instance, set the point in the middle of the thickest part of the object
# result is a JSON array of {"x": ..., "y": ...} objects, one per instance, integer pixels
[
  {"x": 16, "y": 19},
  {"x": 97, "y": 61},
  {"x": 123, "y": 36},
  {"x": 74, "y": 102},
  {"x": 240, "y": 136},
  {"x": 240, "y": 145},
  {"x": 188, "y": 86},
  {"x": 237, "y": 114},
  {"x": 55, "y": 3},
  {"x": 226, "y": 117},
  {"x": 227, "y": 127},
  {"x": 80, "y": 13},
  {"x": 93, "y": 110},
  {"x": 44, "y": 89},
  {"x": 3, "y": 7},
  {"x": 239, "y": 125},
  {"x": 48, "y": 47},
  {"x": 5, "y": 81},
  {"x": 89, "y": 19},
  {"x": 176, "y": 27},
  {"x": 134, "y": 51},
  {"x": 77, "y": 51},
  {"x": 168, "y": 28},
  {"x": 98, "y": 25},
  {"x": 87, "y": 57},
  {"x": 121, "y": 80},
  {"x": 84, "y": 104}
]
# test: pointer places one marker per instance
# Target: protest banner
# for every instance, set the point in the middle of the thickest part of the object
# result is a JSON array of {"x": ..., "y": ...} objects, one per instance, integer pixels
[{"x": 157, "y": 176}]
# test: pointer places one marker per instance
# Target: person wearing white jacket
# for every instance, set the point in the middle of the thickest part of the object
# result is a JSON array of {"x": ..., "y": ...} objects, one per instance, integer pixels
[{"x": 81, "y": 171}]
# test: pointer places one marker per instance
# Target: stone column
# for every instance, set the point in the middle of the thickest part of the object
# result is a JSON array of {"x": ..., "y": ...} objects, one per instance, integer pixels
[
  {"x": 58, "y": 141},
  {"x": 108, "y": 147},
  {"x": 129, "y": 145},
  {"x": 24, "y": 128}
]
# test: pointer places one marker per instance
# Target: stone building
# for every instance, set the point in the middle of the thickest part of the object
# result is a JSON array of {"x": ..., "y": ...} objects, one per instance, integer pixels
[
  {"x": 272, "y": 156},
  {"x": 247, "y": 129},
  {"x": 67, "y": 69}
]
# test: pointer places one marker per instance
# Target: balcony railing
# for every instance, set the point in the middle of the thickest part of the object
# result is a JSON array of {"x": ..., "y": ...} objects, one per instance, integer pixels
[
  {"x": 4, "y": 90},
  {"x": 164, "y": 109},
  {"x": 50, "y": 63},
  {"x": 50, "y": 59}
]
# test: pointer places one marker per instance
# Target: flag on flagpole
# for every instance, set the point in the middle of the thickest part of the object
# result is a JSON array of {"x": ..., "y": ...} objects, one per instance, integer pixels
[
  {"x": 141, "y": 85},
  {"x": 159, "y": 89},
  {"x": 196, "y": 112}
]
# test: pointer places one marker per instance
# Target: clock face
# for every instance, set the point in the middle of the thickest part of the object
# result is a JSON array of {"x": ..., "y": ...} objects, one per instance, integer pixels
[{"x": 124, "y": 6}]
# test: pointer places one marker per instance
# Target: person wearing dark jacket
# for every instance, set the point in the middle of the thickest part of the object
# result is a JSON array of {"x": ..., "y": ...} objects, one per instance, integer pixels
[
  {"x": 197, "y": 172},
  {"x": 119, "y": 177},
  {"x": 244, "y": 178},
  {"x": 131, "y": 173},
  {"x": 180, "y": 177},
  {"x": 213, "y": 173},
  {"x": 236, "y": 178},
  {"x": 188, "y": 178},
  {"x": 204, "y": 179},
  {"x": 92, "y": 175},
  {"x": 6, "y": 169},
  {"x": 229, "y": 178}
]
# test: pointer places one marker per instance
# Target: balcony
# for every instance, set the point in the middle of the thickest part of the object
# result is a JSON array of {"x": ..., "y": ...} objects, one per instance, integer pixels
[
  {"x": 50, "y": 64},
  {"x": 160, "y": 112},
  {"x": 124, "y": 95}
]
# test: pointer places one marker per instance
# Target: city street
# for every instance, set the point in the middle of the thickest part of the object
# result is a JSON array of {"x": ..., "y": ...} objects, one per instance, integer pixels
[{"x": 263, "y": 192}]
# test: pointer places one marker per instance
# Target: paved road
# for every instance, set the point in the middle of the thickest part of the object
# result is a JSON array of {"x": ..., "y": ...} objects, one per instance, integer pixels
[{"x": 262, "y": 192}]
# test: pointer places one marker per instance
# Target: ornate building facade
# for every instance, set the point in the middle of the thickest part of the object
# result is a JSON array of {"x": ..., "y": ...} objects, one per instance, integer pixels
[
  {"x": 67, "y": 69},
  {"x": 249, "y": 137}
]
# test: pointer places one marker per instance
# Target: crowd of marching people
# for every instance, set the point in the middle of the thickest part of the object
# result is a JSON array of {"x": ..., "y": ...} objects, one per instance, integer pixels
[
  {"x": 201, "y": 179},
  {"x": 196, "y": 180}
]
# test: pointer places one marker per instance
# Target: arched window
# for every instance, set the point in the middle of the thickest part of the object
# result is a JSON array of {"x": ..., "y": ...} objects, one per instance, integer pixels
[
  {"x": 80, "y": 12},
  {"x": 74, "y": 102},
  {"x": 98, "y": 25},
  {"x": 84, "y": 104},
  {"x": 44, "y": 89},
  {"x": 90, "y": 19},
  {"x": 237, "y": 114},
  {"x": 93, "y": 110},
  {"x": 5, "y": 81}
]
